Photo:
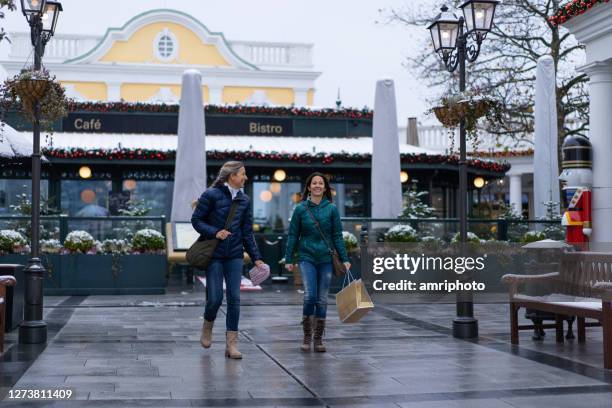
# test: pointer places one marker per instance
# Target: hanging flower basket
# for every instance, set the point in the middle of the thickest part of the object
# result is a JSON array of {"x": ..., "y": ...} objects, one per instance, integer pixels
[
  {"x": 451, "y": 112},
  {"x": 30, "y": 91},
  {"x": 469, "y": 107},
  {"x": 24, "y": 90}
]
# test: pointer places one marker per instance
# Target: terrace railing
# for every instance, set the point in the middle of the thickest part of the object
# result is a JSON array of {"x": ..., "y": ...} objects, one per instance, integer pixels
[
  {"x": 58, "y": 226},
  {"x": 446, "y": 228},
  {"x": 112, "y": 227}
]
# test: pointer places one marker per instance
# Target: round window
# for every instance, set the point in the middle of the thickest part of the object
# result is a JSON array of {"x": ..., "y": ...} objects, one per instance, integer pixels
[{"x": 165, "y": 46}]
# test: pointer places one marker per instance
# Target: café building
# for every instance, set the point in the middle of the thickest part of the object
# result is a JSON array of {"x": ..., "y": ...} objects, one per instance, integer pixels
[
  {"x": 127, "y": 151},
  {"x": 119, "y": 139}
]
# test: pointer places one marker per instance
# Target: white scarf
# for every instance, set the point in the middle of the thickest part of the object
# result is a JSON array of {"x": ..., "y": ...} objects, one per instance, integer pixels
[{"x": 233, "y": 191}]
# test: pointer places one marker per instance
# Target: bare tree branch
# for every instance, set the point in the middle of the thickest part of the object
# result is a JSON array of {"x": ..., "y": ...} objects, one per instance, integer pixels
[{"x": 506, "y": 69}]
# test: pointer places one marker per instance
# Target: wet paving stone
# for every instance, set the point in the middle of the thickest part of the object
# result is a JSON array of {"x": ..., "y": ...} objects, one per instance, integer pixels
[{"x": 117, "y": 351}]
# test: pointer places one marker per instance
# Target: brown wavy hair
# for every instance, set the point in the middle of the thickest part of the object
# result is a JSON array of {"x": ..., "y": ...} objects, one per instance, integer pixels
[{"x": 327, "y": 193}]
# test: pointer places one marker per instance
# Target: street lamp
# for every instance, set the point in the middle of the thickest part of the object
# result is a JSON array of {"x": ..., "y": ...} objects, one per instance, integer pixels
[
  {"x": 450, "y": 35},
  {"x": 49, "y": 18},
  {"x": 478, "y": 16},
  {"x": 32, "y": 8},
  {"x": 42, "y": 16}
]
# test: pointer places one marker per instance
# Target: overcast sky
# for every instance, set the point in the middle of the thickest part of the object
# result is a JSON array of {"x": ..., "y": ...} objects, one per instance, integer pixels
[{"x": 350, "y": 49}]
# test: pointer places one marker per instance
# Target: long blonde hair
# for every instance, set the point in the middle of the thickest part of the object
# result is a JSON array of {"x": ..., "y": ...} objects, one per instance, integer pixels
[{"x": 228, "y": 168}]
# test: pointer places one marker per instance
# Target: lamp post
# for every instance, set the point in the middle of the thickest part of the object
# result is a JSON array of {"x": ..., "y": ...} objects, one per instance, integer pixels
[
  {"x": 450, "y": 36},
  {"x": 42, "y": 16}
]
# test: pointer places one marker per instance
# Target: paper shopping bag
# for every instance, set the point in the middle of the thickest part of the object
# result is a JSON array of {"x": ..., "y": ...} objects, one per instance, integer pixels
[{"x": 353, "y": 302}]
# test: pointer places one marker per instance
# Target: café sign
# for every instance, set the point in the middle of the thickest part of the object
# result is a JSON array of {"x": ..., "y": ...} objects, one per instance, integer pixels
[{"x": 163, "y": 123}]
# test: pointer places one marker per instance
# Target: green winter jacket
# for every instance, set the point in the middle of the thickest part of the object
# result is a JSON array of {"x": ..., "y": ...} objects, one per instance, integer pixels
[{"x": 305, "y": 237}]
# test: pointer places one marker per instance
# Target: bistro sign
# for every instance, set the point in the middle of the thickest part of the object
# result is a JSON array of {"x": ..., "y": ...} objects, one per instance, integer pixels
[
  {"x": 164, "y": 123},
  {"x": 249, "y": 126}
]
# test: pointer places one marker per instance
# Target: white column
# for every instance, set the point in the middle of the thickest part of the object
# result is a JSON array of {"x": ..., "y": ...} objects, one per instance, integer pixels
[
  {"x": 301, "y": 97},
  {"x": 113, "y": 91},
  {"x": 600, "y": 102},
  {"x": 516, "y": 193},
  {"x": 215, "y": 95}
]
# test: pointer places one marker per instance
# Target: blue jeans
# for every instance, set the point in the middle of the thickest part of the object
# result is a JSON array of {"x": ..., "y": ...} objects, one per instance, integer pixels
[
  {"x": 231, "y": 270},
  {"x": 316, "y": 278}
]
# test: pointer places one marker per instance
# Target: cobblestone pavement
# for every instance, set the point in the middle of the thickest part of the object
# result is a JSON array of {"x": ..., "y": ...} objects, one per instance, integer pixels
[{"x": 123, "y": 351}]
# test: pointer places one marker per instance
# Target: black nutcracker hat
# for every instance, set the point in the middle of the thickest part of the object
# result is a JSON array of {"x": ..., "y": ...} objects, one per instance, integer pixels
[{"x": 576, "y": 153}]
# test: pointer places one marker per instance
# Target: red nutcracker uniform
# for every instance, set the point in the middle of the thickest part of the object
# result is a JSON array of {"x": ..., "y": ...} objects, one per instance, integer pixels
[{"x": 577, "y": 218}]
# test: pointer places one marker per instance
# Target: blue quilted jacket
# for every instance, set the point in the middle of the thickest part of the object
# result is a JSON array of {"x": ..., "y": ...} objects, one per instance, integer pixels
[{"x": 209, "y": 218}]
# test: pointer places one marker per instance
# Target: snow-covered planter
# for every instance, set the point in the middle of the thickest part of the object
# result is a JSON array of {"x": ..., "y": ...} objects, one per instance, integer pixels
[
  {"x": 430, "y": 239},
  {"x": 350, "y": 241},
  {"x": 115, "y": 247},
  {"x": 401, "y": 233},
  {"x": 533, "y": 236},
  {"x": 85, "y": 266},
  {"x": 148, "y": 240},
  {"x": 12, "y": 242},
  {"x": 80, "y": 242},
  {"x": 50, "y": 246},
  {"x": 471, "y": 237}
]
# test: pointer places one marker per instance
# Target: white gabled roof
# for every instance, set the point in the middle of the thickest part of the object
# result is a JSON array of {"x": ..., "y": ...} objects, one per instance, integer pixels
[{"x": 263, "y": 144}]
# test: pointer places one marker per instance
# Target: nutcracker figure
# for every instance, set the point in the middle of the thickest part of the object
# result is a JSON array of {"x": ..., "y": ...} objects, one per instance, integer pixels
[{"x": 577, "y": 181}]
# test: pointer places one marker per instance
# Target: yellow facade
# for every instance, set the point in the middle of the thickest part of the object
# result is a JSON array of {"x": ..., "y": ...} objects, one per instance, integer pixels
[
  {"x": 144, "y": 92},
  {"x": 278, "y": 96},
  {"x": 191, "y": 45},
  {"x": 133, "y": 92},
  {"x": 310, "y": 97},
  {"x": 139, "y": 47},
  {"x": 93, "y": 91}
]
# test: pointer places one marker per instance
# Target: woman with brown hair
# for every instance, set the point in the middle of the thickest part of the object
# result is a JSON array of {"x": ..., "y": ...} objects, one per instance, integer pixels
[{"x": 315, "y": 223}]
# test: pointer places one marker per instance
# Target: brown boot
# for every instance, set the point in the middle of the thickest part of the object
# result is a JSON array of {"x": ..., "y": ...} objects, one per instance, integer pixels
[
  {"x": 231, "y": 348},
  {"x": 318, "y": 335},
  {"x": 206, "y": 337},
  {"x": 307, "y": 326}
]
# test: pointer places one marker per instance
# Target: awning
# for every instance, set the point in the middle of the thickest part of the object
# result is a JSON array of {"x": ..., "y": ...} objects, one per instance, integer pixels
[
  {"x": 263, "y": 144},
  {"x": 304, "y": 150}
]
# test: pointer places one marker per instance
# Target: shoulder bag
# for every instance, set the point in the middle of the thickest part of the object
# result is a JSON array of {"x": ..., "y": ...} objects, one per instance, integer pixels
[{"x": 200, "y": 253}]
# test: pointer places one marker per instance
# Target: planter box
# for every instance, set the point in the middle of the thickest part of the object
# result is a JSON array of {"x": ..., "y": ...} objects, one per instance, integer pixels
[
  {"x": 136, "y": 270},
  {"x": 82, "y": 275},
  {"x": 52, "y": 264},
  {"x": 79, "y": 274}
]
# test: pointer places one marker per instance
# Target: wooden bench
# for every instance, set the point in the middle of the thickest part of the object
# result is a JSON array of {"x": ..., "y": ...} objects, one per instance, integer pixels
[
  {"x": 5, "y": 280},
  {"x": 581, "y": 288}
]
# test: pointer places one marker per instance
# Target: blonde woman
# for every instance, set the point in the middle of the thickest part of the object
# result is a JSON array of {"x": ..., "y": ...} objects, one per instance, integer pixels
[{"x": 209, "y": 219}]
